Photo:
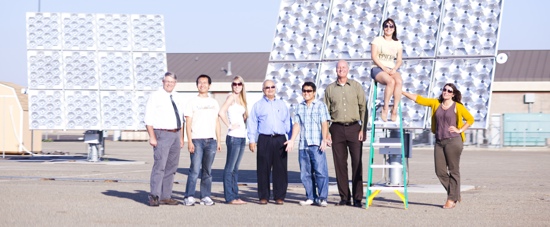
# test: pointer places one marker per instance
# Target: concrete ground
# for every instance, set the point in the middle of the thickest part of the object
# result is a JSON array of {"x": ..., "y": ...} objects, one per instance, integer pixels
[{"x": 501, "y": 187}]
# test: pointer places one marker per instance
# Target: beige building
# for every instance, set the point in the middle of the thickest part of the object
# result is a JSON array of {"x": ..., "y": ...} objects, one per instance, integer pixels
[
  {"x": 524, "y": 72},
  {"x": 222, "y": 68},
  {"x": 15, "y": 136}
]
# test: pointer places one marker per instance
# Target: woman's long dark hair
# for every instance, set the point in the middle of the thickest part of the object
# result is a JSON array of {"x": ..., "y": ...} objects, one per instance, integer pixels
[
  {"x": 394, "y": 34},
  {"x": 456, "y": 92}
]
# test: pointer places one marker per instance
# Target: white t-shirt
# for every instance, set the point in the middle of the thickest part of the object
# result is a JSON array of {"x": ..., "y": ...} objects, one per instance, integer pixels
[
  {"x": 204, "y": 113},
  {"x": 387, "y": 51}
]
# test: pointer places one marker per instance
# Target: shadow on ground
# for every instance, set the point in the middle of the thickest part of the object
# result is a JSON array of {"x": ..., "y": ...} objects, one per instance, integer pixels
[{"x": 248, "y": 176}]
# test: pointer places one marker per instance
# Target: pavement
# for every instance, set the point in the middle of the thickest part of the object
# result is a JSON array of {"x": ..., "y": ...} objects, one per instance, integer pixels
[{"x": 504, "y": 187}]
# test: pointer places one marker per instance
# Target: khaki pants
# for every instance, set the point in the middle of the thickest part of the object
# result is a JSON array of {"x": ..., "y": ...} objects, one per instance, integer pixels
[{"x": 447, "y": 165}]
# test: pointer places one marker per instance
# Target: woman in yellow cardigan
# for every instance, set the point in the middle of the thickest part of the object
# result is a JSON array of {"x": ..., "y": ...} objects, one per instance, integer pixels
[{"x": 448, "y": 115}]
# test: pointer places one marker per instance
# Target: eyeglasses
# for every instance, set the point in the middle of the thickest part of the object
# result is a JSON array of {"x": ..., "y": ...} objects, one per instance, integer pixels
[
  {"x": 448, "y": 90},
  {"x": 388, "y": 26},
  {"x": 170, "y": 82},
  {"x": 272, "y": 87},
  {"x": 237, "y": 84},
  {"x": 307, "y": 91}
]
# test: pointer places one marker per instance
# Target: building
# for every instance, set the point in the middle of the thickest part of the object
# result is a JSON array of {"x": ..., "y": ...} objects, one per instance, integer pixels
[
  {"x": 15, "y": 136},
  {"x": 520, "y": 106},
  {"x": 523, "y": 72}
]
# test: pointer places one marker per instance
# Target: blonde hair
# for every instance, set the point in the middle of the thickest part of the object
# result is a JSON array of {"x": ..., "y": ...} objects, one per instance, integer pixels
[{"x": 242, "y": 95}]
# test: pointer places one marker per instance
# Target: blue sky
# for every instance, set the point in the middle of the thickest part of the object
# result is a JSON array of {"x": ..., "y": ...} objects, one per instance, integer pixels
[{"x": 225, "y": 26}]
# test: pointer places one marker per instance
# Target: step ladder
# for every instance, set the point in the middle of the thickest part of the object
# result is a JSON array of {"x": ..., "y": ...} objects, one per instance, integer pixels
[{"x": 386, "y": 145}]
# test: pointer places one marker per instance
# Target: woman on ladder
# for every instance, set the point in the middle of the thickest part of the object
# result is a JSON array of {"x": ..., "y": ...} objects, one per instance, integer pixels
[
  {"x": 386, "y": 52},
  {"x": 448, "y": 115}
]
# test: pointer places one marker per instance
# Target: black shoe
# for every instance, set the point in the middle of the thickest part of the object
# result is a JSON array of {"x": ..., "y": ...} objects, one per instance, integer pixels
[
  {"x": 154, "y": 201},
  {"x": 357, "y": 203},
  {"x": 344, "y": 203}
]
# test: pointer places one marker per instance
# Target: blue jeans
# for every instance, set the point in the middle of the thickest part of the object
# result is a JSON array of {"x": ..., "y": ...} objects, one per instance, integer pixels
[
  {"x": 235, "y": 151},
  {"x": 202, "y": 159},
  {"x": 314, "y": 172}
]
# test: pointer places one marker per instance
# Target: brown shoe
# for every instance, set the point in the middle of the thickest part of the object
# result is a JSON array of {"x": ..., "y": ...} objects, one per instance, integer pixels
[
  {"x": 449, "y": 204},
  {"x": 169, "y": 202},
  {"x": 153, "y": 200},
  {"x": 263, "y": 201},
  {"x": 279, "y": 202}
]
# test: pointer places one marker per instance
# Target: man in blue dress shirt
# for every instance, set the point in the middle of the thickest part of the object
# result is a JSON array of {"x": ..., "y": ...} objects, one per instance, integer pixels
[{"x": 267, "y": 125}]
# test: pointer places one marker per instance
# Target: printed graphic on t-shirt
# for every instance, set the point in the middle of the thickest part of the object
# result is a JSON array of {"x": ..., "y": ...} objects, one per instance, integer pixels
[{"x": 203, "y": 106}]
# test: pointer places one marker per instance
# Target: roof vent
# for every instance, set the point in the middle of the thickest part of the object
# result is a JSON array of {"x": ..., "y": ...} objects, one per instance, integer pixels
[{"x": 228, "y": 70}]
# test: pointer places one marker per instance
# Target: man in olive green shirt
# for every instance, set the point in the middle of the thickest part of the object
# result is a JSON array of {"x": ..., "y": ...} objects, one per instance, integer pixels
[{"x": 346, "y": 103}]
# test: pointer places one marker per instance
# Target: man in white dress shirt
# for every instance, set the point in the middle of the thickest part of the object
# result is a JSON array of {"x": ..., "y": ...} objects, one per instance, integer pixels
[{"x": 164, "y": 121}]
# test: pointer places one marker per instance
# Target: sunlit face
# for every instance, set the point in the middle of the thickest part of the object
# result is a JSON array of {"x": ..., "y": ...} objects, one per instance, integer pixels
[
  {"x": 237, "y": 86},
  {"x": 342, "y": 69},
  {"x": 269, "y": 89},
  {"x": 308, "y": 94},
  {"x": 169, "y": 83},
  {"x": 203, "y": 85},
  {"x": 448, "y": 93},
  {"x": 389, "y": 28}
]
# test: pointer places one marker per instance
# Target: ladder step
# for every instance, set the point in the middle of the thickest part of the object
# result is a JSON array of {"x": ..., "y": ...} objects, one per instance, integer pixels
[
  {"x": 387, "y": 166},
  {"x": 386, "y": 188},
  {"x": 387, "y": 124},
  {"x": 395, "y": 151},
  {"x": 386, "y": 144}
]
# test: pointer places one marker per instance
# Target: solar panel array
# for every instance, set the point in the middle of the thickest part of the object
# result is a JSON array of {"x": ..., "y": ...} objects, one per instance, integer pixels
[
  {"x": 92, "y": 71},
  {"x": 444, "y": 41}
]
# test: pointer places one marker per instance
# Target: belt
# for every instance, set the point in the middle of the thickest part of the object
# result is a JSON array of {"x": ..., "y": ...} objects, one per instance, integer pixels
[
  {"x": 272, "y": 135},
  {"x": 346, "y": 123},
  {"x": 168, "y": 130},
  {"x": 440, "y": 140}
]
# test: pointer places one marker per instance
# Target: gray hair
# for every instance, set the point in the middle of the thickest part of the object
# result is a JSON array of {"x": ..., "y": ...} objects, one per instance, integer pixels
[
  {"x": 263, "y": 84},
  {"x": 170, "y": 74}
]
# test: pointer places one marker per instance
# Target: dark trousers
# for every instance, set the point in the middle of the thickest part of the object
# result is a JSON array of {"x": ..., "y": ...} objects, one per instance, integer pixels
[
  {"x": 167, "y": 156},
  {"x": 271, "y": 159},
  {"x": 344, "y": 138},
  {"x": 447, "y": 165}
]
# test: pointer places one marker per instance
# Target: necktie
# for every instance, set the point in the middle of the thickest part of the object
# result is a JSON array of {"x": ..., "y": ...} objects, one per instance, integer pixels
[{"x": 176, "y": 112}]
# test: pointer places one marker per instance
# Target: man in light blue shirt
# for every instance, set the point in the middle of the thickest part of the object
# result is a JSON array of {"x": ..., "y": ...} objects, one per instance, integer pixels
[
  {"x": 267, "y": 125},
  {"x": 311, "y": 123}
]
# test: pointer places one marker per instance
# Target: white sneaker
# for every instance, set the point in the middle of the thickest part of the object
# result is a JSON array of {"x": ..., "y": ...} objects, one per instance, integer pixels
[
  {"x": 306, "y": 203},
  {"x": 323, "y": 203},
  {"x": 207, "y": 201},
  {"x": 189, "y": 201}
]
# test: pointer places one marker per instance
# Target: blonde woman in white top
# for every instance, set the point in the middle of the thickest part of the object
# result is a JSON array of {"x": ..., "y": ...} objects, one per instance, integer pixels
[
  {"x": 387, "y": 54},
  {"x": 233, "y": 114}
]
